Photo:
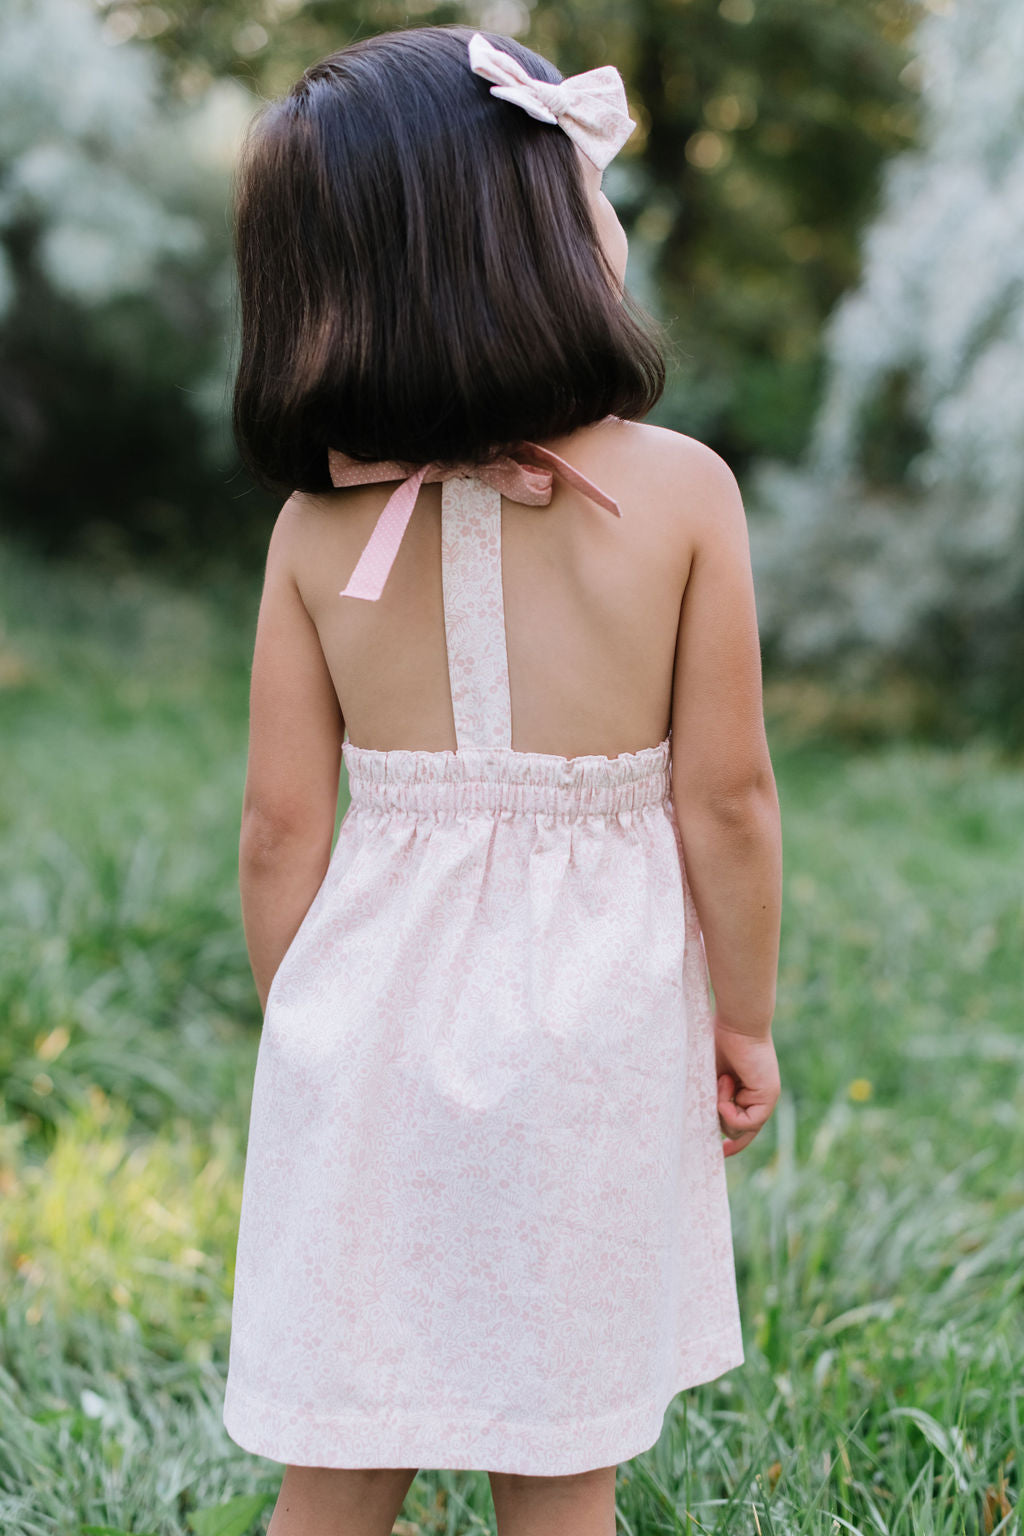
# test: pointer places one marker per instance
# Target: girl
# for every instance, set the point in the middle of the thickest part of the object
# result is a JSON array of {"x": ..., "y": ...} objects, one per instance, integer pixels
[{"x": 484, "y": 1219}]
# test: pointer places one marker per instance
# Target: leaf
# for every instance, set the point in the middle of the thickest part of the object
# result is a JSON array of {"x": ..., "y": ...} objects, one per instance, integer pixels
[
  {"x": 937, "y": 1436},
  {"x": 996, "y": 1508},
  {"x": 231, "y": 1519},
  {"x": 108, "y": 1530}
]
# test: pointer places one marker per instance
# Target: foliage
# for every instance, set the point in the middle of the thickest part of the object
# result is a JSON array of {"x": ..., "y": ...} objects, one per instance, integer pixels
[
  {"x": 114, "y": 299},
  {"x": 120, "y": 942},
  {"x": 901, "y": 542},
  {"x": 76, "y": 112},
  {"x": 761, "y": 130},
  {"x": 102, "y": 1429},
  {"x": 877, "y": 1220}
]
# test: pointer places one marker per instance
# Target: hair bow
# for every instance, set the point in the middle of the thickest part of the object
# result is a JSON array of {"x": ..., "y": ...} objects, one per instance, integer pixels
[{"x": 591, "y": 108}]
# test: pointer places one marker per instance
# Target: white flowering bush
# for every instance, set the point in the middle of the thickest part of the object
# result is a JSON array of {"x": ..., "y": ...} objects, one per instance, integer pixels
[
  {"x": 918, "y": 557},
  {"x": 115, "y": 286},
  {"x": 83, "y": 154}
]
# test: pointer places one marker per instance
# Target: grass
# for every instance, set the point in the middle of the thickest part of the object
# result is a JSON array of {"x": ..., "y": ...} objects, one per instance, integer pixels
[{"x": 878, "y": 1220}]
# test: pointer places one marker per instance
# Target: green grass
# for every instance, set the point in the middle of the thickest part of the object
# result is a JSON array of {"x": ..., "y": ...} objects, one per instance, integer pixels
[{"x": 878, "y": 1220}]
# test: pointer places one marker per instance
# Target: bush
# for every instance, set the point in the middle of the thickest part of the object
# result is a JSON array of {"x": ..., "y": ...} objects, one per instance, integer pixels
[{"x": 900, "y": 541}]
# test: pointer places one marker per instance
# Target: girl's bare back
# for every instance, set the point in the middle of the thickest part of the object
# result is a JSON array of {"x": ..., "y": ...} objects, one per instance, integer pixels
[{"x": 592, "y": 603}]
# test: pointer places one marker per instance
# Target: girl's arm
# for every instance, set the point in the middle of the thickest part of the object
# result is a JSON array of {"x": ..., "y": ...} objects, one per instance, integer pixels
[
  {"x": 724, "y": 794},
  {"x": 291, "y": 787}
]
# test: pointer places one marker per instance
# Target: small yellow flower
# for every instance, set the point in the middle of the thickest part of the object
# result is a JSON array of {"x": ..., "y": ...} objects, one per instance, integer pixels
[
  {"x": 50, "y": 1047},
  {"x": 860, "y": 1090}
]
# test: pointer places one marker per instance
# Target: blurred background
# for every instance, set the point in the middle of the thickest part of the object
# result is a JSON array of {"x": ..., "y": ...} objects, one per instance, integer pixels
[{"x": 825, "y": 205}]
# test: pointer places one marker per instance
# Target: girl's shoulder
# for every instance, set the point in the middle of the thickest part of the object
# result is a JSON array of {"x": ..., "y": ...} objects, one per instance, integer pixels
[
  {"x": 679, "y": 481},
  {"x": 651, "y": 450}
]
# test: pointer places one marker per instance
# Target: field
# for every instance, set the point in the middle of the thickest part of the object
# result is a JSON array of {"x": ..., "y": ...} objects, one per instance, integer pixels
[{"x": 878, "y": 1220}]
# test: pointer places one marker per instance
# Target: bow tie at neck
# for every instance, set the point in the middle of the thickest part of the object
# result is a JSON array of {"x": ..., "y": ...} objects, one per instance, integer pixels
[{"x": 528, "y": 482}]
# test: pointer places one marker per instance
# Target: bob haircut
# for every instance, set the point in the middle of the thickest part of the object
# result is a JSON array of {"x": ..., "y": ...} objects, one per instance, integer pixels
[{"x": 420, "y": 278}]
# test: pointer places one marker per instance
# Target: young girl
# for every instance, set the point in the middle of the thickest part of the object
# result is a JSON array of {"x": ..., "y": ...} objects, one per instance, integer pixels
[{"x": 484, "y": 1220}]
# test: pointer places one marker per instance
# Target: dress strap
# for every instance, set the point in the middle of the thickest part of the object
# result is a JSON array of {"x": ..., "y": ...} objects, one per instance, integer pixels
[
  {"x": 529, "y": 482},
  {"x": 474, "y": 612},
  {"x": 474, "y": 608}
]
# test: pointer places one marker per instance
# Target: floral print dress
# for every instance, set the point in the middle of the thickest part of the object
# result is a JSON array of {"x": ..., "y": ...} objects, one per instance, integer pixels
[{"x": 484, "y": 1217}]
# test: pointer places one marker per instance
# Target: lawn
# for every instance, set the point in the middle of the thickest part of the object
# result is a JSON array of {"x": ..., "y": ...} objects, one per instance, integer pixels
[{"x": 878, "y": 1220}]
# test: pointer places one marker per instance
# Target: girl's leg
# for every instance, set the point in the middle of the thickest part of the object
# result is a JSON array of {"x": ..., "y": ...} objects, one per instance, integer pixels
[
  {"x": 580, "y": 1505},
  {"x": 330, "y": 1501}
]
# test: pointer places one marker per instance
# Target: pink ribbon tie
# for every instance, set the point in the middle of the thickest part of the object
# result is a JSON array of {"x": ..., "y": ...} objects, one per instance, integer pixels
[{"x": 531, "y": 484}]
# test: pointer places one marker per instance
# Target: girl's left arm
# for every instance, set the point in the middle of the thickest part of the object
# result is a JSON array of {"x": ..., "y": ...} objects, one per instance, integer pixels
[{"x": 291, "y": 787}]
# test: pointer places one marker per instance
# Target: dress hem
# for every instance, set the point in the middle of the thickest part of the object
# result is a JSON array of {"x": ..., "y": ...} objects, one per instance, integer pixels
[{"x": 284, "y": 1435}]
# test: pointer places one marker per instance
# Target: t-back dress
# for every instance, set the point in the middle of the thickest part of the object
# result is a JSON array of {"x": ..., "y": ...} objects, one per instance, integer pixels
[{"x": 484, "y": 1219}]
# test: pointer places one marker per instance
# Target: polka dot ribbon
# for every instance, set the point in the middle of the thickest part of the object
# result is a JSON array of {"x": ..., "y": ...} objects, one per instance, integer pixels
[{"x": 527, "y": 482}]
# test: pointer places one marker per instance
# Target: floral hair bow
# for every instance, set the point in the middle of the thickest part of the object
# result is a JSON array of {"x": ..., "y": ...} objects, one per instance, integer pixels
[{"x": 591, "y": 107}]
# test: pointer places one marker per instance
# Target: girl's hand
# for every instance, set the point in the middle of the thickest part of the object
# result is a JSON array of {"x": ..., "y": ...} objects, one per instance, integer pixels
[{"x": 748, "y": 1084}]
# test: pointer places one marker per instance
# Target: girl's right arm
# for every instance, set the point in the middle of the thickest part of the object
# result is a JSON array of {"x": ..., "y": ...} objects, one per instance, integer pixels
[
  {"x": 724, "y": 794},
  {"x": 291, "y": 784}
]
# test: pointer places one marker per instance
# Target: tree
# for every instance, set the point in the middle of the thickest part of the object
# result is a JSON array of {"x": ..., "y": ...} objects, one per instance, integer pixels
[
  {"x": 762, "y": 127},
  {"x": 113, "y": 327},
  {"x": 901, "y": 539}
]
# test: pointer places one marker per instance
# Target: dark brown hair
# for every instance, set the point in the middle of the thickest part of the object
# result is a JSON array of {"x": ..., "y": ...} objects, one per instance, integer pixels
[{"x": 419, "y": 273}]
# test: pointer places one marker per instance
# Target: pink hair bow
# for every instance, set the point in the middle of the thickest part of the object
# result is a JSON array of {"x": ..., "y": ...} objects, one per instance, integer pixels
[
  {"x": 527, "y": 483},
  {"x": 591, "y": 107}
]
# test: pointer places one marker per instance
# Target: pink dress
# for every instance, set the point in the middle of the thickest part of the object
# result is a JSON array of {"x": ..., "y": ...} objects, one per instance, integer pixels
[{"x": 484, "y": 1217}]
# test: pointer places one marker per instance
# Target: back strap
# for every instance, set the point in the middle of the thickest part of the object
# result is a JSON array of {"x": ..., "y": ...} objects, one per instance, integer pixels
[{"x": 474, "y": 612}]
